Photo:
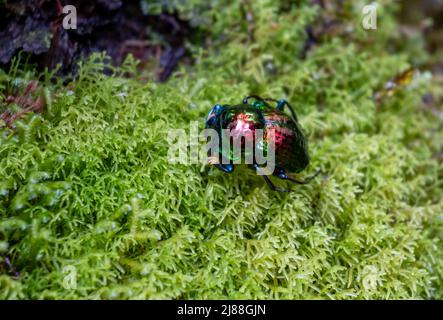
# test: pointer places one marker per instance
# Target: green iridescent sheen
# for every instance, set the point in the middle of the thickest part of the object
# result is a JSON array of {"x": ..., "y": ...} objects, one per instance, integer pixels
[{"x": 291, "y": 151}]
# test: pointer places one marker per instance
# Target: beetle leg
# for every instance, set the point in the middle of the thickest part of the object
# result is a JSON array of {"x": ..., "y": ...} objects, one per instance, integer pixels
[
  {"x": 273, "y": 187},
  {"x": 227, "y": 168},
  {"x": 282, "y": 175},
  {"x": 265, "y": 100},
  {"x": 220, "y": 162},
  {"x": 245, "y": 100},
  {"x": 281, "y": 105},
  {"x": 269, "y": 182}
]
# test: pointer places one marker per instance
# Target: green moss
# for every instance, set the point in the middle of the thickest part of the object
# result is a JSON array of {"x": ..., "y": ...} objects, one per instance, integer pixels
[{"x": 87, "y": 186}]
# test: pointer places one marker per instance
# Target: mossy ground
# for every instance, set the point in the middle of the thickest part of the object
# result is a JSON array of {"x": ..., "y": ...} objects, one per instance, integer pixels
[{"x": 87, "y": 183}]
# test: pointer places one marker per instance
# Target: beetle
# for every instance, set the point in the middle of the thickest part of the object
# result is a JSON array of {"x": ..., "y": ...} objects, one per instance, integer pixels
[{"x": 291, "y": 149}]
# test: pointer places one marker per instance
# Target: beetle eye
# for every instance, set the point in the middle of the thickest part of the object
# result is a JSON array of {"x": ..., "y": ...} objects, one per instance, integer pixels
[
  {"x": 215, "y": 111},
  {"x": 217, "y": 108}
]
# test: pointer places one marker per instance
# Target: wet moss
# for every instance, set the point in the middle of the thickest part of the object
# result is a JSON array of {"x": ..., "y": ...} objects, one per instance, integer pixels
[{"x": 87, "y": 192}]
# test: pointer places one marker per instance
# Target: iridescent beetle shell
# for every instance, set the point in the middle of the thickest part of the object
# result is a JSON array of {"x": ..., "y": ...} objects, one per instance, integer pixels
[{"x": 291, "y": 150}]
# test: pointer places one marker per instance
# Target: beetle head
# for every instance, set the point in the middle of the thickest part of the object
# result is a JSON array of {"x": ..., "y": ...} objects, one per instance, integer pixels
[{"x": 213, "y": 116}]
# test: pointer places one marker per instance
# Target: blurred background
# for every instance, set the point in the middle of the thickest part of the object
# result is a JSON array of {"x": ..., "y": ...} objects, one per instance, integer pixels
[{"x": 160, "y": 33}]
